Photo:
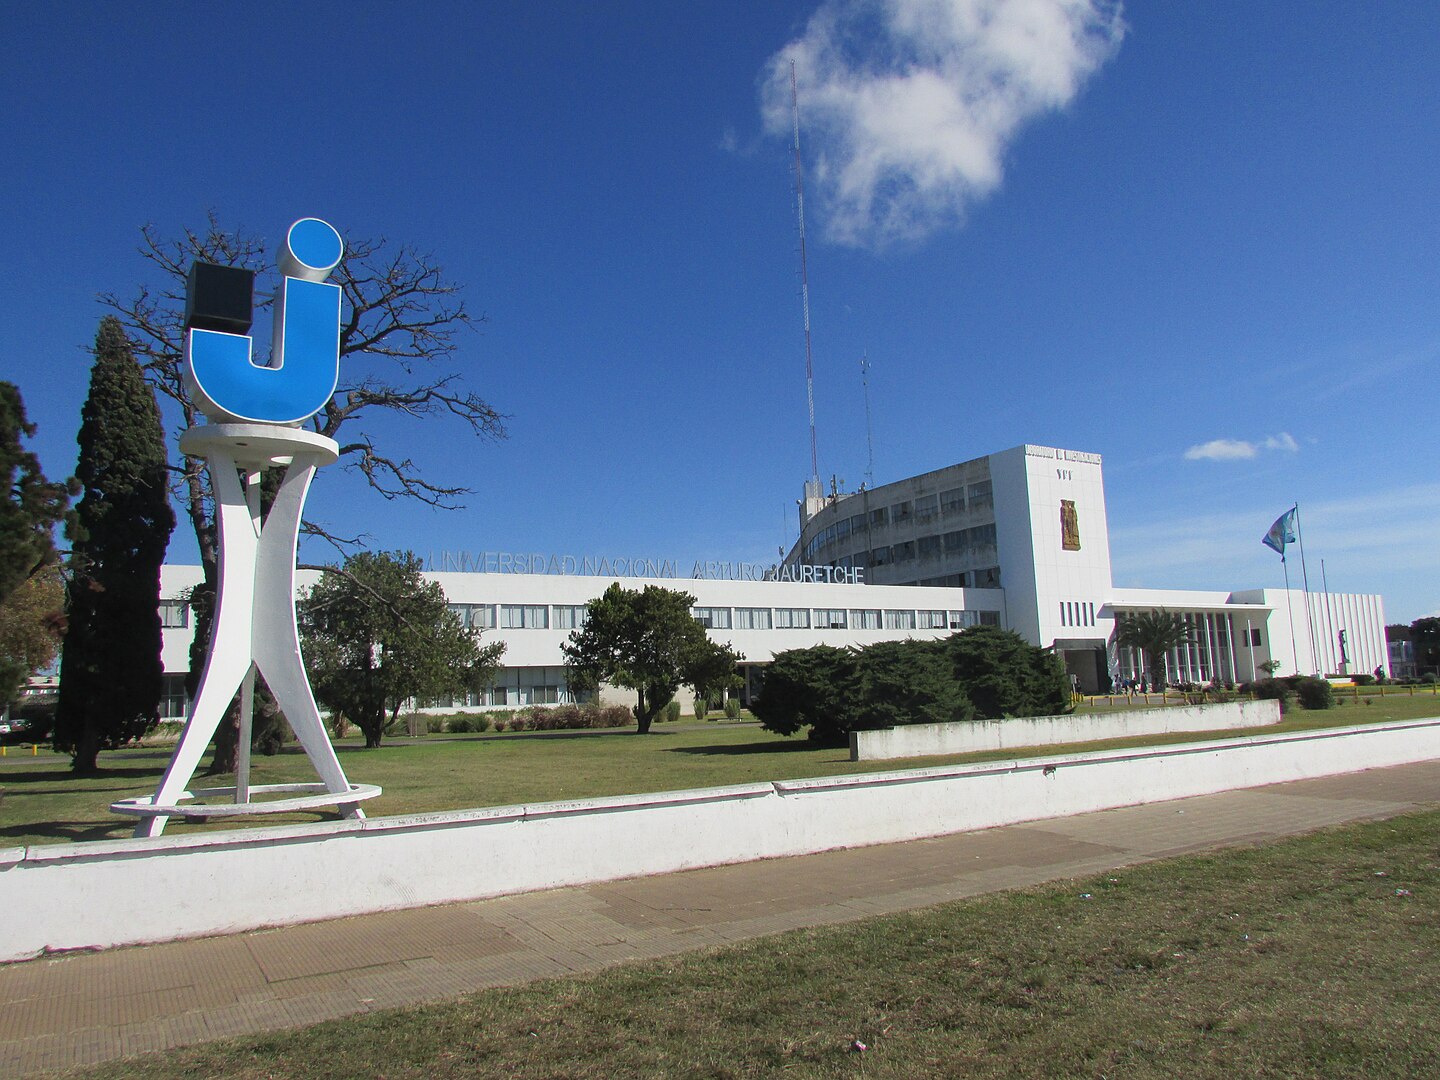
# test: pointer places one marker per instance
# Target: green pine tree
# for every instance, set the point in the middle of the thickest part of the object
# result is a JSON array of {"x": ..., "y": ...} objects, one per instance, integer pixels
[{"x": 110, "y": 671}]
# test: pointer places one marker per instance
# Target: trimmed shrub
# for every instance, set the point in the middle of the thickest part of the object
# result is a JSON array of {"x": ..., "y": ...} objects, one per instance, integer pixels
[
  {"x": 814, "y": 688},
  {"x": 1314, "y": 693},
  {"x": 1271, "y": 690},
  {"x": 1362, "y": 679},
  {"x": 462, "y": 723},
  {"x": 701, "y": 708},
  {"x": 612, "y": 716},
  {"x": 908, "y": 682},
  {"x": 672, "y": 711},
  {"x": 732, "y": 708},
  {"x": 1003, "y": 675},
  {"x": 434, "y": 725}
]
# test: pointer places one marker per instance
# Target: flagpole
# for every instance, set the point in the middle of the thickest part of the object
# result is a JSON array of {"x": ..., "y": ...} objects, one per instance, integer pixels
[{"x": 1305, "y": 577}]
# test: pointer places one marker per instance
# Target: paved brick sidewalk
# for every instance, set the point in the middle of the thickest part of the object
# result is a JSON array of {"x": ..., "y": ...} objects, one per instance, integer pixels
[{"x": 89, "y": 1007}]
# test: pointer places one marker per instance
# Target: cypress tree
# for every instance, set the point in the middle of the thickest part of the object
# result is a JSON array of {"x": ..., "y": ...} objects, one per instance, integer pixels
[{"x": 110, "y": 672}]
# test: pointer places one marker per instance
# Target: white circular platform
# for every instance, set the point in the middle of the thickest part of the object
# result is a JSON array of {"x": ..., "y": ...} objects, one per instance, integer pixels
[
  {"x": 144, "y": 805},
  {"x": 259, "y": 444}
]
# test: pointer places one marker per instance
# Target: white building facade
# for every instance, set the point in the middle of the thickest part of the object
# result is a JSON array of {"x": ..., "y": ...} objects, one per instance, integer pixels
[
  {"x": 533, "y": 614},
  {"x": 1017, "y": 539},
  {"x": 1031, "y": 522}
]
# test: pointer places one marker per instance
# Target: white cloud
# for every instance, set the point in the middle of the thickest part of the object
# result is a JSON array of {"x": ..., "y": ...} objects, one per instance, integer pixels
[
  {"x": 1239, "y": 449},
  {"x": 1221, "y": 450},
  {"x": 908, "y": 106}
]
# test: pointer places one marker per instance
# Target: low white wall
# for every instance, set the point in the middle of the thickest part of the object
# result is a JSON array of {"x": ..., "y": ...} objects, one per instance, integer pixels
[
  {"x": 69, "y": 896},
  {"x": 967, "y": 737}
]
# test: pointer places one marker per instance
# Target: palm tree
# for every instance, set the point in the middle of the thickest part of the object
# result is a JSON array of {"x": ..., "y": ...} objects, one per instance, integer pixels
[{"x": 1154, "y": 633}]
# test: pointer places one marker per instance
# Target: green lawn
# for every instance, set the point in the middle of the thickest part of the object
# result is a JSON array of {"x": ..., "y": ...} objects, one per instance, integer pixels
[
  {"x": 42, "y": 803},
  {"x": 1311, "y": 957}
]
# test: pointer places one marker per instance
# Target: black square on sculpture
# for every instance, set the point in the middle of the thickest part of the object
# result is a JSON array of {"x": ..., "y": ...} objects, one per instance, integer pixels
[{"x": 219, "y": 298}]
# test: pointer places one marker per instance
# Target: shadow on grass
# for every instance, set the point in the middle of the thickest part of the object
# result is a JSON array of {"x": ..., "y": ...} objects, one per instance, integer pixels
[
  {"x": 466, "y": 737},
  {"x": 50, "y": 776},
  {"x": 800, "y": 746},
  {"x": 72, "y": 830}
]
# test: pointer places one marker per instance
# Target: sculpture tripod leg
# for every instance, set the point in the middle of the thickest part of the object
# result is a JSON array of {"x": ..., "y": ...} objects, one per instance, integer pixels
[{"x": 254, "y": 629}]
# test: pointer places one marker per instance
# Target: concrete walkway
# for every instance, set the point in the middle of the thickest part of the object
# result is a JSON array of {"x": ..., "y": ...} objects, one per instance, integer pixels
[{"x": 89, "y": 1007}]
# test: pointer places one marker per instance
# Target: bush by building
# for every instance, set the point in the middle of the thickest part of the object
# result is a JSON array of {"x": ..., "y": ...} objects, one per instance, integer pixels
[
  {"x": 980, "y": 673},
  {"x": 1314, "y": 693}
]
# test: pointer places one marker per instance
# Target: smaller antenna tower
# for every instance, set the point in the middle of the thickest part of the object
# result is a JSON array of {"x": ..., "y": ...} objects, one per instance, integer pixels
[
  {"x": 869, "y": 428},
  {"x": 804, "y": 279}
]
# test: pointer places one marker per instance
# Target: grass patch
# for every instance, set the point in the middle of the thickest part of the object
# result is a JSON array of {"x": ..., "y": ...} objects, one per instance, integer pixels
[
  {"x": 42, "y": 803},
  {"x": 1310, "y": 957}
]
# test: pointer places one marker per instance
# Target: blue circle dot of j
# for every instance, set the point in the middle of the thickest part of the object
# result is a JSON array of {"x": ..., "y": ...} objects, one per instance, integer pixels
[{"x": 312, "y": 249}]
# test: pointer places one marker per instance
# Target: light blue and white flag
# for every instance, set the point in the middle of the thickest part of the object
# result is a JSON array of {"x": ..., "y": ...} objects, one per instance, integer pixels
[{"x": 1282, "y": 532}]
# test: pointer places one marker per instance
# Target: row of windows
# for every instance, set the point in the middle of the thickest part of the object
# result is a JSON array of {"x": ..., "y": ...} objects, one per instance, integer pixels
[
  {"x": 521, "y": 616},
  {"x": 724, "y": 618},
  {"x": 987, "y": 577},
  {"x": 922, "y": 509},
  {"x": 1077, "y": 613},
  {"x": 958, "y": 543}
]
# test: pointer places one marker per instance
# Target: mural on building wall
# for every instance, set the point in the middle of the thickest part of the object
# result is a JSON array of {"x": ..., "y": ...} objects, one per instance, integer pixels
[{"x": 1069, "y": 526}]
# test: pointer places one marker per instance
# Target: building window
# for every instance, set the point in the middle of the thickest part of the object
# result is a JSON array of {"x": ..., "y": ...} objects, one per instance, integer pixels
[
  {"x": 477, "y": 616},
  {"x": 174, "y": 614},
  {"x": 880, "y": 556},
  {"x": 879, "y": 518},
  {"x": 988, "y": 578},
  {"x": 903, "y": 552},
  {"x": 960, "y": 620},
  {"x": 952, "y": 501},
  {"x": 752, "y": 618},
  {"x": 929, "y": 547},
  {"x": 792, "y": 618},
  {"x": 901, "y": 513},
  {"x": 712, "y": 618},
  {"x": 989, "y": 618},
  {"x": 173, "y": 702},
  {"x": 982, "y": 496},
  {"x": 524, "y": 616},
  {"x": 865, "y": 618},
  {"x": 930, "y": 620},
  {"x": 830, "y": 618},
  {"x": 927, "y": 507},
  {"x": 899, "y": 620},
  {"x": 570, "y": 616}
]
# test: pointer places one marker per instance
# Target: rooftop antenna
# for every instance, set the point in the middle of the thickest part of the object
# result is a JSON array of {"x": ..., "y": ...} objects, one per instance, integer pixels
[
  {"x": 804, "y": 278},
  {"x": 869, "y": 428}
]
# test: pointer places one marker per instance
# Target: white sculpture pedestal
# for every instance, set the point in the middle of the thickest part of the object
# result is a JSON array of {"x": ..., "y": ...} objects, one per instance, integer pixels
[{"x": 254, "y": 630}]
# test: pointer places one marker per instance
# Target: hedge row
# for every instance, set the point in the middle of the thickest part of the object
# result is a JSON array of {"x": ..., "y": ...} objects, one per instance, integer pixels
[{"x": 980, "y": 673}]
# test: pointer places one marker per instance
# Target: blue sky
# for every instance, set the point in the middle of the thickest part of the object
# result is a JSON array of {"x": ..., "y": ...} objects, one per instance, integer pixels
[{"x": 1199, "y": 239}]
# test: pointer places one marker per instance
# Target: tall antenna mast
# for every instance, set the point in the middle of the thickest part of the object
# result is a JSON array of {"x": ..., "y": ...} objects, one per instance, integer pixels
[
  {"x": 869, "y": 428},
  {"x": 804, "y": 278}
]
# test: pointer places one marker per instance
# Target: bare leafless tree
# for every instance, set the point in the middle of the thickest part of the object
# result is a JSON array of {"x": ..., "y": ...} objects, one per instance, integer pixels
[
  {"x": 401, "y": 322},
  {"x": 398, "y": 341}
]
